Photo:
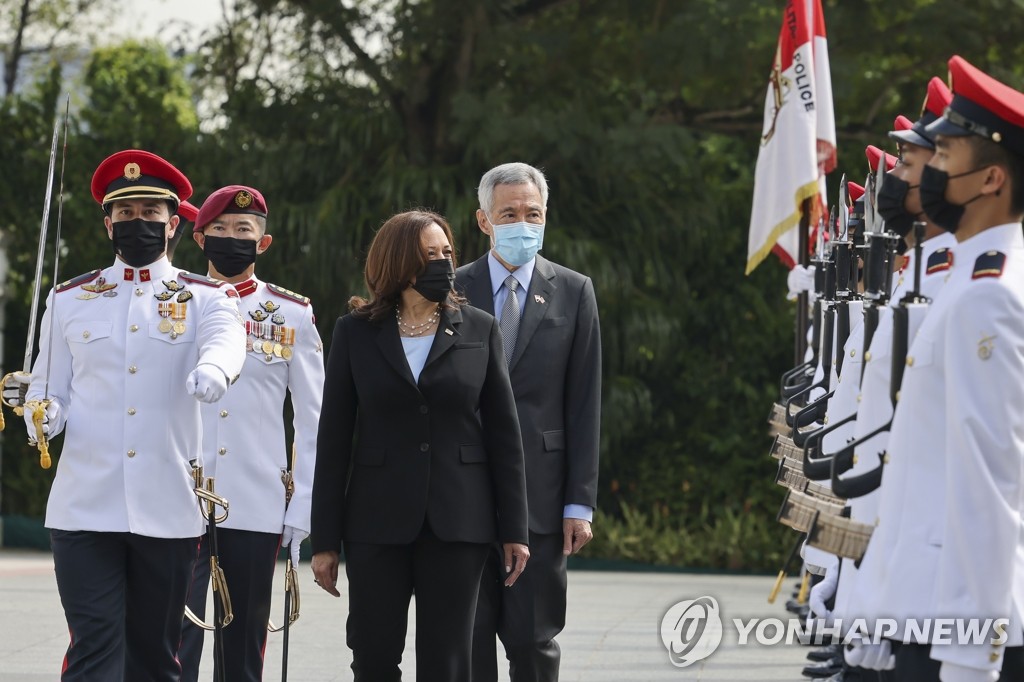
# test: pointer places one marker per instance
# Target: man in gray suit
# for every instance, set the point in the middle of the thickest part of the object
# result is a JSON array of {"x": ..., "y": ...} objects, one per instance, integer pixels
[{"x": 547, "y": 316}]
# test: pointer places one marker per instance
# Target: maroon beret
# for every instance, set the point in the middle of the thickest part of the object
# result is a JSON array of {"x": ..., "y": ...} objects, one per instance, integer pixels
[{"x": 230, "y": 199}]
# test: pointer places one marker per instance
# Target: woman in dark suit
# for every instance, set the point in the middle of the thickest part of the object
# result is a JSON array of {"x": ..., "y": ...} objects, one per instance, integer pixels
[{"x": 419, "y": 463}]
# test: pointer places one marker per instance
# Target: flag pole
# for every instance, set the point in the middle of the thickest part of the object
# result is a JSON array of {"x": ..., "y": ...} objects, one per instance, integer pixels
[{"x": 800, "y": 344}]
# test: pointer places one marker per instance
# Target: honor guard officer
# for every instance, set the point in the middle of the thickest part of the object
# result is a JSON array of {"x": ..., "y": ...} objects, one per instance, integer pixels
[
  {"x": 949, "y": 541},
  {"x": 125, "y": 356},
  {"x": 244, "y": 436}
]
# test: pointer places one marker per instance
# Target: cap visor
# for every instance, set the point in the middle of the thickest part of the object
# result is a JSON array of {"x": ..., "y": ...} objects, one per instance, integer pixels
[
  {"x": 912, "y": 137},
  {"x": 943, "y": 126}
]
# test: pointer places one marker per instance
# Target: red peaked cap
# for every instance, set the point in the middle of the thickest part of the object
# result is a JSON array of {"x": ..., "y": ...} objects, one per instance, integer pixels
[
  {"x": 935, "y": 102},
  {"x": 902, "y": 123},
  {"x": 854, "y": 191},
  {"x": 230, "y": 199},
  {"x": 874, "y": 154},
  {"x": 138, "y": 174},
  {"x": 982, "y": 106},
  {"x": 187, "y": 211}
]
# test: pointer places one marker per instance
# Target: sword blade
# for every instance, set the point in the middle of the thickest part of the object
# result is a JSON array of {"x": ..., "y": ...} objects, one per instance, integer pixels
[
  {"x": 37, "y": 284},
  {"x": 56, "y": 248}
]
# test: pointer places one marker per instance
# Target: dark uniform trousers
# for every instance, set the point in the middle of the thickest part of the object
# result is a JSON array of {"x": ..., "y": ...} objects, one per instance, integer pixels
[
  {"x": 527, "y": 616},
  {"x": 248, "y": 559},
  {"x": 123, "y": 596},
  {"x": 915, "y": 664},
  {"x": 382, "y": 578}
]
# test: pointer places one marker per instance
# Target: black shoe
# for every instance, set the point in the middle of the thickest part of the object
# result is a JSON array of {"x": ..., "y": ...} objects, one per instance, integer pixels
[
  {"x": 825, "y": 653},
  {"x": 792, "y": 605},
  {"x": 829, "y": 668}
]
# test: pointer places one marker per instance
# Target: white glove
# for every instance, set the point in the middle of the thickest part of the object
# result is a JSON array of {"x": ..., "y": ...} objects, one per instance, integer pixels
[
  {"x": 207, "y": 383},
  {"x": 53, "y": 421},
  {"x": 15, "y": 387},
  {"x": 292, "y": 537},
  {"x": 951, "y": 672},
  {"x": 799, "y": 280},
  {"x": 871, "y": 656},
  {"x": 821, "y": 593}
]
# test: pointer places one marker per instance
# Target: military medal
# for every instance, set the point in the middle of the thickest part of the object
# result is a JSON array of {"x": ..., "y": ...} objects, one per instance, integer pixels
[
  {"x": 178, "y": 311},
  {"x": 164, "y": 295},
  {"x": 286, "y": 353},
  {"x": 278, "y": 318},
  {"x": 270, "y": 306},
  {"x": 172, "y": 285},
  {"x": 184, "y": 296},
  {"x": 87, "y": 296},
  {"x": 257, "y": 315}
]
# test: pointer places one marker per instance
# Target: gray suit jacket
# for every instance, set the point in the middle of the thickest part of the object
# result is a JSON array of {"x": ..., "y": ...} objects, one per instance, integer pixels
[{"x": 556, "y": 378}]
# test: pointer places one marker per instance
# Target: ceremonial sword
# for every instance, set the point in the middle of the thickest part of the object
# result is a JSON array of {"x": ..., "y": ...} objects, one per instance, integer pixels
[{"x": 38, "y": 407}]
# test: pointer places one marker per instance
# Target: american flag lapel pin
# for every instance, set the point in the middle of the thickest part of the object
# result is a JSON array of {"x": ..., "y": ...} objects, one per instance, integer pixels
[{"x": 449, "y": 332}]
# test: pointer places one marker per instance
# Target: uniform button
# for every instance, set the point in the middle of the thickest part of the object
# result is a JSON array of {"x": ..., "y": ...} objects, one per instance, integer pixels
[
  {"x": 859, "y": 396},
  {"x": 268, "y": 358},
  {"x": 131, "y": 411},
  {"x": 139, "y": 292},
  {"x": 222, "y": 451},
  {"x": 898, "y": 395},
  {"x": 424, "y": 409},
  {"x": 424, "y": 447},
  {"x": 993, "y": 657},
  {"x": 910, "y": 361},
  {"x": 867, "y": 357},
  {"x": 86, "y": 335},
  {"x": 131, "y": 453},
  {"x": 853, "y": 352},
  {"x": 223, "y": 413},
  {"x": 133, "y": 369},
  {"x": 133, "y": 328}
]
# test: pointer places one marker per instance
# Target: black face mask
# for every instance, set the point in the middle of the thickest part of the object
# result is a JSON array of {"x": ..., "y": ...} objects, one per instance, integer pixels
[
  {"x": 435, "y": 282},
  {"x": 892, "y": 204},
  {"x": 230, "y": 256},
  {"x": 943, "y": 213},
  {"x": 139, "y": 242}
]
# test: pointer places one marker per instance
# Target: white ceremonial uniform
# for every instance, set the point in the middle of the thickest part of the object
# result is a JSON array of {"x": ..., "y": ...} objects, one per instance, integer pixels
[
  {"x": 132, "y": 429},
  {"x": 243, "y": 435},
  {"x": 875, "y": 407},
  {"x": 949, "y": 541}
]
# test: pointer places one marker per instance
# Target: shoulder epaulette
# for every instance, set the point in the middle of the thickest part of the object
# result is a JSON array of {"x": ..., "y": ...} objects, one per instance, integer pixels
[
  {"x": 201, "y": 279},
  {"x": 989, "y": 264},
  {"x": 941, "y": 260},
  {"x": 77, "y": 281},
  {"x": 290, "y": 295}
]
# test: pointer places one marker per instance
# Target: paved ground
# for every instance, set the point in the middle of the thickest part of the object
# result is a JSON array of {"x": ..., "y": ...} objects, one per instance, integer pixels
[{"x": 612, "y": 634}]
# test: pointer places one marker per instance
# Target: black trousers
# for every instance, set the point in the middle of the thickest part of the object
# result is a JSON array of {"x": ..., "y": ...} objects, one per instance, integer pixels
[
  {"x": 381, "y": 580},
  {"x": 248, "y": 559},
  {"x": 915, "y": 664},
  {"x": 526, "y": 617},
  {"x": 123, "y": 596}
]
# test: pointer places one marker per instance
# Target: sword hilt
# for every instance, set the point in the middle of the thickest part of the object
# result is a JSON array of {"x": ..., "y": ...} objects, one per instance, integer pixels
[{"x": 38, "y": 408}]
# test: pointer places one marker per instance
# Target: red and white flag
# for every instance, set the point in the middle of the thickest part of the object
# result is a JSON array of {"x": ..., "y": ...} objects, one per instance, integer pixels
[{"x": 798, "y": 140}]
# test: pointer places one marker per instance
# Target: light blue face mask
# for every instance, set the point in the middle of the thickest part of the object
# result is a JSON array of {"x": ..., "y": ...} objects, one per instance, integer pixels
[{"x": 517, "y": 243}]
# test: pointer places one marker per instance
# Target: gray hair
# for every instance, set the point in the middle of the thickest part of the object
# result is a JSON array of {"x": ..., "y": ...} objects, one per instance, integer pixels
[{"x": 510, "y": 174}]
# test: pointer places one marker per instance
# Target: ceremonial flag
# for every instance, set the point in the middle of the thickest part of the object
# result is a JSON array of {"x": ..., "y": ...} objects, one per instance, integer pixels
[{"x": 798, "y": 140}]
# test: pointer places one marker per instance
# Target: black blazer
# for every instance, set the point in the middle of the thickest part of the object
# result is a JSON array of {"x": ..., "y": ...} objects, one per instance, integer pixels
[
  {"x": 392, "y": 453},
  {"x": 556, "y": 378}
]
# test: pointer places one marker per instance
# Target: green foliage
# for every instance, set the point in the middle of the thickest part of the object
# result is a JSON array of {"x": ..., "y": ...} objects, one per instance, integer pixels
[{"x": 723, "y": 538}]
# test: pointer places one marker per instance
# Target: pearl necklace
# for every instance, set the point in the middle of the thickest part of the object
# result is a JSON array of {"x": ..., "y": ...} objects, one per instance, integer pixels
[{"x": 417, "y": 329}]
